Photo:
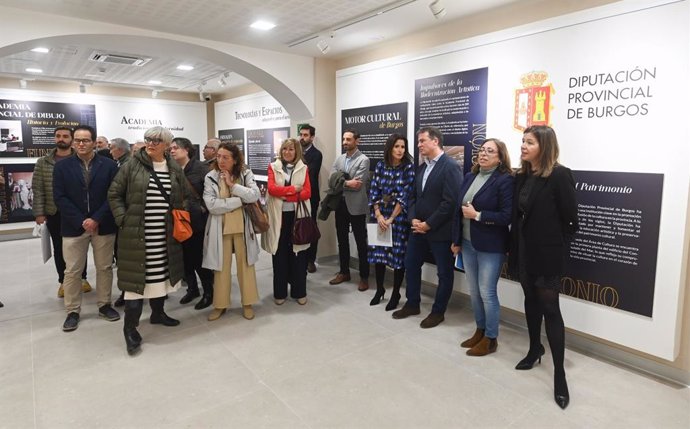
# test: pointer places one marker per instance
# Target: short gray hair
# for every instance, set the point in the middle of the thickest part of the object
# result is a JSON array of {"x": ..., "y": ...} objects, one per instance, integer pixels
[
  {"x": 214, "y": 143},
  {"x": 119, "y": 143},
  {"x": 159, "y": 133}
]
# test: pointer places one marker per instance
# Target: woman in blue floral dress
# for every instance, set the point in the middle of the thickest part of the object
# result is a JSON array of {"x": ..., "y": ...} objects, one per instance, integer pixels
[{"x": 388, "y": 197}]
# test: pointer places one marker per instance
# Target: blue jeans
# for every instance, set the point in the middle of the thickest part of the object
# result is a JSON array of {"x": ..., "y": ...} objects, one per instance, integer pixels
[
  {"x": 482, "y": 270},
  {"x": 417, "y": 248}
]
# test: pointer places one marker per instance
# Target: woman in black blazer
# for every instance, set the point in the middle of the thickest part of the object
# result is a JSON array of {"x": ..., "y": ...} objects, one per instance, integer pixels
[
  {"x": 480, "y": 232},
  {"x": 544, "y": 221}
]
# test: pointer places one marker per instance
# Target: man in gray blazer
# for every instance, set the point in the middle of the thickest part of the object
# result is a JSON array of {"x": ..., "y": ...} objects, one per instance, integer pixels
[{"x": 353, "y": 209}]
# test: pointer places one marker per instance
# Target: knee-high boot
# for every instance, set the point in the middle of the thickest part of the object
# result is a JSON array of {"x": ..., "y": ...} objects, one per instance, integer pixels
[
  {"x": 133, "y": 308},
  {"x": 158, "y": 316}
]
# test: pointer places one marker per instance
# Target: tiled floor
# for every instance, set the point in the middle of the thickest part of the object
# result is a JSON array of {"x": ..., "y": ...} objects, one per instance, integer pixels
[{"x": 336, "y": 362}]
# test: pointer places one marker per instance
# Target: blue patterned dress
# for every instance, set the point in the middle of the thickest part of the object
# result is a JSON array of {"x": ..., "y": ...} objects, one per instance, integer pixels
[{"x": 391, "y": 185}]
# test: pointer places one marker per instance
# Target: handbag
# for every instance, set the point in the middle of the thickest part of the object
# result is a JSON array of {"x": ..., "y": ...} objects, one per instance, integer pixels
[
  {"x": 182, "y": 221},
  {"x": 256, "y": 212},
  {"x": 305, "y": 230}
]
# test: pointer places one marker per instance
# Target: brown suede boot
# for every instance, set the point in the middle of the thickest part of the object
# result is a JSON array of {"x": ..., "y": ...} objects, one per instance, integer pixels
[
  {"x": 469, "y": 343},
  {"x": 484, "y": 347}
]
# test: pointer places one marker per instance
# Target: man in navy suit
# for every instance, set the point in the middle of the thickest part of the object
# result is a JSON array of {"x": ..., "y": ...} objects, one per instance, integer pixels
[
  {"x": 80, "y": 190},
  {"x": 432, "y": 207}
]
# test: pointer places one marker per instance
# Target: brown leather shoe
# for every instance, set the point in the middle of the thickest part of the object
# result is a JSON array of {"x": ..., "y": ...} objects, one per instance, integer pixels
[
  {"x": 476, "y": 338},
  {"x": 484, "y": 347},
  {"x": 363, "y": 285},
  {"x": 311, "y": 267},
  {"x": 405, "y": 312},
  {"x": 432, "y": 320},
  {"x": 339, "y": 278}
]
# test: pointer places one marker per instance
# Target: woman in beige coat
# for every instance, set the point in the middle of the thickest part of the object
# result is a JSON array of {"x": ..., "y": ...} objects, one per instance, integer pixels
[{"x": 288, "y": 183}]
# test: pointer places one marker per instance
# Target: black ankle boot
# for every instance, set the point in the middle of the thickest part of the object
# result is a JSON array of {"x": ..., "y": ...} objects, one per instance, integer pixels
[
  {"x": 204, "y": 302},
  {"x": 158, "y": 316},
  {"x": 530, "y": 359},
  {"x": 133, "y": 339},
  {"x": 190, "y": 296},
  {"x": 393, "y": 303},
  {"x": 380, "y": 292},
  {"x": 560, "y": 389}
]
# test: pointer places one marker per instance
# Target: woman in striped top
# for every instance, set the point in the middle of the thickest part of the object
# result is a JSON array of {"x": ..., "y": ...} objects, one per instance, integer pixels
[{"x": 150, "y": 263}]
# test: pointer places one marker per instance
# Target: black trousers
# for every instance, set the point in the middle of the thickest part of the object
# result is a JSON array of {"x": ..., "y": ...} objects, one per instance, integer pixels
[
  {"x": 311, "y": 251},
  {"x": 53, "y": 223},
  {"x": 343, "y": 221},
  {"x": 192, "y": 254},
  {"x": 289, "y": 267}
]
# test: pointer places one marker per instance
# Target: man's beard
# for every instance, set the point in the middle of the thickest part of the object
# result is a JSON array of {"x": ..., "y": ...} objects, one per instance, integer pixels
[{"x": 62, "y": 145}]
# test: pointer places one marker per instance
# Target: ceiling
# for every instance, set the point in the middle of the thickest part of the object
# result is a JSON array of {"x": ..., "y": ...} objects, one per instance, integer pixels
[{"x": 345, "y": 26}]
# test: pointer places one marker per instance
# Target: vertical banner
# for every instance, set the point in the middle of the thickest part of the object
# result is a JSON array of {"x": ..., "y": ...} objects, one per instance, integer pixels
[
  {"x": 613, "y": 256},
  {"x": 455, "y": 103},
  {"x": 27, "y": 127},
  {"x": 375, "y": 124},
  {"x": 262, "y": 147}
]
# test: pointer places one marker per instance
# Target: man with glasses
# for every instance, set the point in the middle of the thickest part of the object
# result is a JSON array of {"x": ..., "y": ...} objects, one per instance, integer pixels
[
  {"x": 44, "y": 208},
  {"x": 433, "y": 204},
  {"x": 210, "y": 151},
  {"x": 80, "y": 190}
]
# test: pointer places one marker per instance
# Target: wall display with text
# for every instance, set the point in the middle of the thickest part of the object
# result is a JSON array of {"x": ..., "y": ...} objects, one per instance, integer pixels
[
  {"x": 625, "y": 277},
  {"x": 16, "y": 197},
  {"x": 234, "y": 136},
  {"x": 27, "y": 127},
  {"x": 375, "y": 124},
  {"x": 455, "y": 103},
  {"x": 262, "y": 124}
]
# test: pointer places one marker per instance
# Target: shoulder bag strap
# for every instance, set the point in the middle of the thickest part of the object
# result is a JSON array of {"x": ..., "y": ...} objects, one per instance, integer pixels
[{"x": 166, "y": 197}]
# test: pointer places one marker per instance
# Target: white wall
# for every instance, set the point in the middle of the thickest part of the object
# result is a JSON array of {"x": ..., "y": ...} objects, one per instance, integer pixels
[{"x": 618, "y": 37}]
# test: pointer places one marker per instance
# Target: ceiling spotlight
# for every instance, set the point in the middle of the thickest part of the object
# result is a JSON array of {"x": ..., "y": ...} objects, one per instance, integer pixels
[
  {"x": 154, "y": 93},
  {"x": 22, "y": 83},
  {"x": 185, "y": 67},
  {"x": 438, "y": 9},
  {"x": 263, "y": 25},
  {"x": 204, "y": 97},
  {"x": 222, "y": 82},
  {"x": 33, "y": 70},
  {"x": 323, "y": 46},
  {"x": 82, "y": 88},
  {"x": 41, "y": 50}
]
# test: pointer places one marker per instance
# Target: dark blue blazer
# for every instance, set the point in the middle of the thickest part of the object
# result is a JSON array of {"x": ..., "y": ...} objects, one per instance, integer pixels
[
  {"x": 76, "y": 201},
  {"x": 495, "y": 201},
  {"x": 439, "y": 201}
]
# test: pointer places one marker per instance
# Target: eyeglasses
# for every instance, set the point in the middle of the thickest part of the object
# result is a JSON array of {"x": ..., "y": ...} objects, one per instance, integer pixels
[
  {"x": 488, "y": 151},
  {"x": 79, "y": 141},
  {"x": 153, "y": 141}
]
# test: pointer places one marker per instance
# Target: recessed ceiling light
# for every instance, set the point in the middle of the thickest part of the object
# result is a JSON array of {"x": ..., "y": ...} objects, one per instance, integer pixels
[
  {"x": 41, "y": 50},
  {"x": 185, "y": 67},
  {"x": 33, "y": 70},
  {"x": 262, "y": 25},
  {"x": 155, "y": 82}
]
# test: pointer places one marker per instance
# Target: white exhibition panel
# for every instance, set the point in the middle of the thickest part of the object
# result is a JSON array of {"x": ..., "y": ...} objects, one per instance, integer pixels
[
  {"x": 650, "y": 36},
  {"x": 251, "y": 112}
]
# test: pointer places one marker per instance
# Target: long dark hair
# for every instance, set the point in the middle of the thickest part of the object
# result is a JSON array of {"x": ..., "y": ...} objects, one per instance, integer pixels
[
  {"x": 236, "y": 156},
  {"x": 388, "y": 150},
  {"x": 548, "y": 150}
]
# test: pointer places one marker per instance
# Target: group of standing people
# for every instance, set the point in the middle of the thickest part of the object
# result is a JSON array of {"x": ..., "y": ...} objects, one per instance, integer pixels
[
  {"x": 429, "y": 209},
  {"x": 489, "y": 213}
]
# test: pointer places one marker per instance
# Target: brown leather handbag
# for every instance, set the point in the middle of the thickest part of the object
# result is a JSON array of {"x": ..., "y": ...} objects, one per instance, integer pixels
[{"x": 305, "y": 230}]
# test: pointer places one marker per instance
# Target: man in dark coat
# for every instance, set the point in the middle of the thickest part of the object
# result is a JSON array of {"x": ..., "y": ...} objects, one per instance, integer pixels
[{"x": 313, "y": 158}]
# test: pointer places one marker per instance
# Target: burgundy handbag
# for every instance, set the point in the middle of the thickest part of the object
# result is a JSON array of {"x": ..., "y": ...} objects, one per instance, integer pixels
[{"x": 305, "y": 230}]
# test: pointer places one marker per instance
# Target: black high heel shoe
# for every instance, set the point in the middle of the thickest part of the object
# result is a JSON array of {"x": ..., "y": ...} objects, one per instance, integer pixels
[
  {"x": 560, "y": 390},
  {"x": 380, "y": 292},
  {"x": 393, "y": 303},
  {"x": 529, "y": 360}
]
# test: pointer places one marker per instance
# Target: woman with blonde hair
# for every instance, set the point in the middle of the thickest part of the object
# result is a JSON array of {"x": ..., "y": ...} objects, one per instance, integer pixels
[
  {"x": 226, "y": 188},
  {"x": 288, "y": 184}
]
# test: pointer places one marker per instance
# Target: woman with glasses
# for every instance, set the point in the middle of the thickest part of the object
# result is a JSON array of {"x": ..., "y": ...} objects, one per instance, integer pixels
[
  {"x": 480, "y": 233},
  {"x": 544, "y": 222},
  {"x": 150, "y": 263},
  {"x": 226, "y": 188}
]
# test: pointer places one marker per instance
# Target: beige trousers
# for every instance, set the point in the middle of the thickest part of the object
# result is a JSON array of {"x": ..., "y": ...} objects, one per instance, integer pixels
[
  {"x": 246, "y": 275},
  {"x": 74, "y": 250}
]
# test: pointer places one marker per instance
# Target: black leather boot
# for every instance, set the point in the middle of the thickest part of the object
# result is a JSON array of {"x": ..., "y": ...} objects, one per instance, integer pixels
[
  {"x": 380, "y": 292},
  {"x": 158, "y": 316},
  {"x": 133, "y": 310},
  {"x": 204, "y": 302}
]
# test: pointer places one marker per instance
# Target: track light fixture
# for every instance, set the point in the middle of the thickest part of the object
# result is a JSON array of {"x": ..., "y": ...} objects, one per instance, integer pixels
[
  {"x": 154, "y": 93},
  {"x": 82, "y": 88},
  {"x": 323, "y": 46},
  {"x": 438, "y": 8},
  {"x": 22, "y": 83}
]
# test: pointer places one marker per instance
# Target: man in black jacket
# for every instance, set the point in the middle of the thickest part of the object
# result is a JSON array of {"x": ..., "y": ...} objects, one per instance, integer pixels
[{"x": 313, "y": 158}]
